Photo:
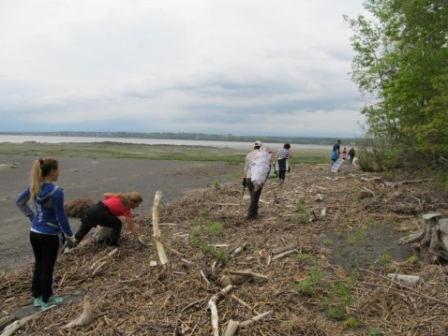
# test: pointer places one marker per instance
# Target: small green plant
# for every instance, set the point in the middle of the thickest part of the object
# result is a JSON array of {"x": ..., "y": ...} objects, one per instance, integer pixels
[
  {"x": 310, "y": 285},
  {"x": 384, "y": 259},
  {"x": 216, "y": 184},
  {"x": 413, "y": 259},
  {"x": 369, "y": 222},
  {"x": 352, "y": 322},
  {"x": 337, "y": 297},
  {"x": 302, "y": 213},
  {"x": 375, "y": 332},
  {"x": 352, "y": 239},
  {"x": 205, "y": 233},
  {"x": 357, "y": 236},
  {"x": 305, "y": 258}
]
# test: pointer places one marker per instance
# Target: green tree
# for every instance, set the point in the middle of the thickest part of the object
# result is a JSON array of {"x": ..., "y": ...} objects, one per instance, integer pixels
[{"x": 402, "y": 60}]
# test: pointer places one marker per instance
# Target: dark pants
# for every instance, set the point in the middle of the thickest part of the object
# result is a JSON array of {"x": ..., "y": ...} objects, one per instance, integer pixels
[
  {"x": 281, "y": 175},
  {"x": 99, "y": 214},
  {"x": 45, "y": 248},
  {"x": 254, "y": 199}
]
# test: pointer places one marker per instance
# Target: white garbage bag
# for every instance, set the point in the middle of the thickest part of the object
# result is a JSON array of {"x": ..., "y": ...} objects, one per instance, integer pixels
[{"x": 260, "y": 167}]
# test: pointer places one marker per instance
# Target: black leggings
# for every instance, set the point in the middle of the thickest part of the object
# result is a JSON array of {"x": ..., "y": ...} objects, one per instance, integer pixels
[
  {"x": 45, "y": 248},
  {"x": 99, "y": 214}
]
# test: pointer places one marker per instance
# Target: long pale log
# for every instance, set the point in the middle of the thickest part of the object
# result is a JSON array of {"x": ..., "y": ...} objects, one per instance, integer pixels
[
  {"x": 168, "y": 246},
  {"x": 241, "y": 302},
  {"x": 16, "y": 325},
  {"x": 96, "y": 266},
  {"x": 283, "y": 248},
  {"x": 405, "y": 279},
  {"x": 284, "y": 254},
  {"x": 214, "y": 309},
  {"x": 5, "y": 320},
  {"x": 85, "y": 318},
  {"x": 412, "y": 238},
  {"x": 238, "y": 249},
  {"x": 214, "y": 312},
  {"x": 251, "y": 274},
  {"x": 156, "y": 230},
  {"x": 232, "y": 328},
  {"x": 254, "y": 319}
]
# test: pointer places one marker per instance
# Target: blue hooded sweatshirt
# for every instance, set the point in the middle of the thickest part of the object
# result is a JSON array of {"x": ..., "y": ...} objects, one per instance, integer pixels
[{"x": 49, "y": 216}]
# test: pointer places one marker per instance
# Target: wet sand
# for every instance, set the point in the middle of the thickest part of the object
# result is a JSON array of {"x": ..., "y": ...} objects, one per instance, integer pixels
[{"x": 83, "y": 177}]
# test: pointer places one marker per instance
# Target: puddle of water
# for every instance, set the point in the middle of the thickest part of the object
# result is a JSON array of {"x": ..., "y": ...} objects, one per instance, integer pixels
[{"x": 366, "y": 247}]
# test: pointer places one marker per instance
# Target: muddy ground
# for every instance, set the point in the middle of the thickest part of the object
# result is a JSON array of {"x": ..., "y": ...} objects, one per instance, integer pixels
[{"x": 339, "y": 235}]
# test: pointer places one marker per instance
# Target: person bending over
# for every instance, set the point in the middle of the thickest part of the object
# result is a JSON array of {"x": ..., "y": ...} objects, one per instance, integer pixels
[{"x": 106, "y": 213}]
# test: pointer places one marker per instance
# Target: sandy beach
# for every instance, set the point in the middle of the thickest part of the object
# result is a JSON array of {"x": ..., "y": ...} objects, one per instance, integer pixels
[{"x": 83, "y": 177}]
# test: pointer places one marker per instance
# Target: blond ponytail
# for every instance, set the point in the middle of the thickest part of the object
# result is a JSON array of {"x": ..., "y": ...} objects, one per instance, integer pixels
[
  {"x": 128, "y": 198},
  {"x": 39, "y": 170}
]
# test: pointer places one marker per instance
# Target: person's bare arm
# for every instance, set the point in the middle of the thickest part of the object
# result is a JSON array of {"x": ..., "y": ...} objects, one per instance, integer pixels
[{"x": 132, "y": 227}]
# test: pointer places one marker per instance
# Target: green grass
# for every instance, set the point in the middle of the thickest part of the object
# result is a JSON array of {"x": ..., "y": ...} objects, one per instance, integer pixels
[
  {"x": 302, "y": 213},
  {"x": 205, "y": 233},
  {"x": 148, "y": 152},
  {"x": 333, "y": 296}
]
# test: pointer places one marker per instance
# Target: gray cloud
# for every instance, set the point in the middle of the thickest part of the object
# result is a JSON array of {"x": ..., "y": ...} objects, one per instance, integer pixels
[{"x": 176, "y": 66}]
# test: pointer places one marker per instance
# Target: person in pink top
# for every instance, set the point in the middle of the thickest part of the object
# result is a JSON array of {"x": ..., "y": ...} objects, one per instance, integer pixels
[{"x": 106, "y": 213}]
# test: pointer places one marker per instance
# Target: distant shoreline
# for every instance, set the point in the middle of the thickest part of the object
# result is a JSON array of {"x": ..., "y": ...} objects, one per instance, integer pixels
[
  {"x": 180, "y": 150},
  {"x": 189, "y": 137}
]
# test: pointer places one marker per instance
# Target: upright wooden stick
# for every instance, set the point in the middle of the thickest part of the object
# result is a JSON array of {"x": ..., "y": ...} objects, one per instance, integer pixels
[{"x": 156, "y": 230}]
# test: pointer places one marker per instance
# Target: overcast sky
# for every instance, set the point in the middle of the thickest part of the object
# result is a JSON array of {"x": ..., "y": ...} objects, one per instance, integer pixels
[{"x": 243, "y": 67}]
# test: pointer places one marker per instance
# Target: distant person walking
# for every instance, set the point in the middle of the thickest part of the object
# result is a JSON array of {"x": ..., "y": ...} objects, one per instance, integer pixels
[
  {"x": 351, "y": 154},
  {"x": 256, "y": 170},
  {"x": 344, "y": 154},
  {"x": 48, "y": 221},
  {"x": 336, "y": 151},
  {"x": 282, "y": 157}
]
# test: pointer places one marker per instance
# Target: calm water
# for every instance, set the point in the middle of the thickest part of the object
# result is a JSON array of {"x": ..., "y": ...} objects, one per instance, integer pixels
[{"x": 217, "y": 144}]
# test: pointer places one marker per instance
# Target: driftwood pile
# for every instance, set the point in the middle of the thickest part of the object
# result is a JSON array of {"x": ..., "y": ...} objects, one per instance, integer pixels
[
  {"x": 432, "y": 242},
  {"x": 253, "y": 289}
]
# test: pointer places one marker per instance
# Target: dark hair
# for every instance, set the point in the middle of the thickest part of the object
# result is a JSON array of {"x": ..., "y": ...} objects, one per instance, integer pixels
[{"x": 286, "y": 146}]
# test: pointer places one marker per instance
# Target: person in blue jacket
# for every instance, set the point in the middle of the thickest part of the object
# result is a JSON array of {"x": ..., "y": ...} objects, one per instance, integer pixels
[
  {"x": 48, "y": 222},
  {"x": 336, "y": 151}
]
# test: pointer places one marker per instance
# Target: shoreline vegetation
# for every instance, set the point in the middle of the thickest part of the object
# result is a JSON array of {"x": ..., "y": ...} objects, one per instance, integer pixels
[
  {"x": 150, "y": 152},
  {"x": 194, "y": 136}
]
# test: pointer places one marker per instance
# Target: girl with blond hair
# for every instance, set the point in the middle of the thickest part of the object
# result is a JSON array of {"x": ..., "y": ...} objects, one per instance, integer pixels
[
  {"x": 48, "y": 222},
  {"x": 106, "y": 212}
]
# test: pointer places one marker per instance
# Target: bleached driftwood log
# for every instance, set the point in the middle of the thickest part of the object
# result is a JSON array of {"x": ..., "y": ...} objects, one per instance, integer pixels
[
  {"x": 156, "y": 230},
  {"x": 214, "y": 309},
  {"x": 97, "y": 265},
  {"x": 85, "y": 318},
  {"x": 16, "y": 325},
  {"x": 234, "y": 326},
  {"x": 407, "y": 280},
  {"x": 432, "y": 242},
  {"x": 281, "y": 249},
  {"x": 5, "y": 320}
]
